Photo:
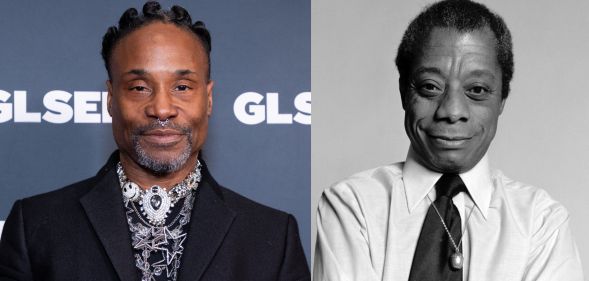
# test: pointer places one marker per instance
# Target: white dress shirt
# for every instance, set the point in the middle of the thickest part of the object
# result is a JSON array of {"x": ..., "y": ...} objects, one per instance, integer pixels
[{"x": 368, "y": 226}]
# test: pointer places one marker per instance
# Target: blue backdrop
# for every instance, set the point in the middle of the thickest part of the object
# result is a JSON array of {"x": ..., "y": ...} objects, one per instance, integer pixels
[{"x": 53, "y": 131}]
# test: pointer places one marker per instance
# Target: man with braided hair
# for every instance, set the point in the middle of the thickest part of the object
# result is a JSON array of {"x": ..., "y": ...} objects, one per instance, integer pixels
[{"x": 153, "y": 212}]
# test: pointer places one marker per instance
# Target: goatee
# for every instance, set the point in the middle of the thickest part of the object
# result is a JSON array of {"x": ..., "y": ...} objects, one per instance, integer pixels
[{"x": 161, "y": 166}]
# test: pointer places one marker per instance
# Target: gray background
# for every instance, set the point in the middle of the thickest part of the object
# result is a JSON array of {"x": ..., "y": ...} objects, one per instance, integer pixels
[
  {"x": 542, "y": 136},
  {"x": 261, "y": 46}
]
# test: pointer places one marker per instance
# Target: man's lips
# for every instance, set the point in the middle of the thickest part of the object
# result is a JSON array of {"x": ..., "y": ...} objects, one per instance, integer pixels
[
  {"x": 162, "y": 136},
  {"x": 449, "y": 141},
  {"x": 450, "y": 137}
]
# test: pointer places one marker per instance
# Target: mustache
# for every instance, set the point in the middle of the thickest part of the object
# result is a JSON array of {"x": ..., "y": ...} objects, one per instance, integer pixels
[{"x": 155, "y": 125}]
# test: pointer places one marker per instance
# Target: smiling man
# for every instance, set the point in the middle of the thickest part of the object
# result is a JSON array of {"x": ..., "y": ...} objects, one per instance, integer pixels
[
  {"x": 444, "y": 213},
  {"x": 153, "y": 212}
]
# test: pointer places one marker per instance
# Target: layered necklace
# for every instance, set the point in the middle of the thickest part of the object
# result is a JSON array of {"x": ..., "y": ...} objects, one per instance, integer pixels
[
  {"x": 156, "y": 237},
  {"x": 156, "y": 201}
]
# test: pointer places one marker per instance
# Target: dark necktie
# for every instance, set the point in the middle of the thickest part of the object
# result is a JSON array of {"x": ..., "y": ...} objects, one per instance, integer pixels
[{"x": 431, "y": 261}]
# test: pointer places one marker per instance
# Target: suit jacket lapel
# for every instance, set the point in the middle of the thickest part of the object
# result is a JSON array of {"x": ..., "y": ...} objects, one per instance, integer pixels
[
  {"x": 104, "y": 207},
  {"x": 210, "y": 221}
]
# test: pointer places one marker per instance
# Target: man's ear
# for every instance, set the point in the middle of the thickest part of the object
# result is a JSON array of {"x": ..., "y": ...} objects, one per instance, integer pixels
[
  {"x": 402, "y": 88},
  {"x": 109, "y": 97},
  {"x": 210, "y": 86},
  {"x": 502, "y": 105}
]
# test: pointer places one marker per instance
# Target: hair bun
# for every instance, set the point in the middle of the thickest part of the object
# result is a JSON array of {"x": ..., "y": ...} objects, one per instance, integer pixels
[
  {"x": 128, "y": 17},
  {"x": 152, "y": 8},
  {"x": 199, "y": 24},
  {"x": 200, "y": 29},
  {"x": 112, "y": 30},
  {"x": 180, "y": 15}
]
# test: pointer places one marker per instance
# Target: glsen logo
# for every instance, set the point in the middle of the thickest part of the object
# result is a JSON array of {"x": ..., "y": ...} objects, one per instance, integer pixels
[
  {"x": 61, "y": 107},
  {"x": 88, "y": 107},
  {"x": 250, "y": 109}
]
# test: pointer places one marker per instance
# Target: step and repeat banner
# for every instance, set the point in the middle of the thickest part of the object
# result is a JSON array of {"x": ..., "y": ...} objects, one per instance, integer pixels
[{"x": 55, "y": 130}]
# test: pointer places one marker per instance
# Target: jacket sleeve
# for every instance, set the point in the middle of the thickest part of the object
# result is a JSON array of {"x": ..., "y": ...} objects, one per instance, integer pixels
[
  {"x": 14, "y": 259},
  {"x": 294, "y": 263}
]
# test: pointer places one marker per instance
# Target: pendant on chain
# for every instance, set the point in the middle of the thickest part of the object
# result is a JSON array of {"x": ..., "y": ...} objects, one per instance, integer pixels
[
  {"x": 131, "y": 191},
  {"x": 156, "y": 205},
  {"x": 456, "y": 260}
]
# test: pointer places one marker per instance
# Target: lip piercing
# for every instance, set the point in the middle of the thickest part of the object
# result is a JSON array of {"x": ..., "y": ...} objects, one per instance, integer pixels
[{"x": 163, "y": 123}]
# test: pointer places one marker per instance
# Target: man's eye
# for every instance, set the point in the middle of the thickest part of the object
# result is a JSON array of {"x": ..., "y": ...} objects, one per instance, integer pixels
[
  {"x": 430, "y": 89},
  {"x": 182, "y": 88},
  {"x": 478, "y": 91},
  {"x": 138, "y": 88}
]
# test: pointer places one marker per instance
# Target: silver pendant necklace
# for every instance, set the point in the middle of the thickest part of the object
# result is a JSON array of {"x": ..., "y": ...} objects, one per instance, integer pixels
[
  {"x": 156, "y": 202},
  {"x": 456, "y": 259},
  {"x": 158, "y": 249}
]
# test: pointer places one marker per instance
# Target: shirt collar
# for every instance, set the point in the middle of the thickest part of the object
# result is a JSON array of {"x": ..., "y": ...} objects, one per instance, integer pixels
[{"x": 419, "y": 182}]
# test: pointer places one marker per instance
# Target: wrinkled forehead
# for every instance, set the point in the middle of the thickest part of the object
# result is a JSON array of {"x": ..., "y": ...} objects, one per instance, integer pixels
[
  {"x": 453, "y": 39},
  {"x": 449, "y": 46}
]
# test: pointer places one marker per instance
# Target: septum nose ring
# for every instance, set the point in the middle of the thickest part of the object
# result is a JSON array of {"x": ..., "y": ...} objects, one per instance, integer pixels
[{"x": 163, "y": 123}]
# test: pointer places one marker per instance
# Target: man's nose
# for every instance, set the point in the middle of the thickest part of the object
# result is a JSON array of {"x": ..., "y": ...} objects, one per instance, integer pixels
[
  {"x": 162, "y": 105},
  {"x": 453, "y": 105}
]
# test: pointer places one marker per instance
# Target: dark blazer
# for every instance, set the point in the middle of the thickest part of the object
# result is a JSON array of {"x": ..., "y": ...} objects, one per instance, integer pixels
[{"x": 80, "y": 232}]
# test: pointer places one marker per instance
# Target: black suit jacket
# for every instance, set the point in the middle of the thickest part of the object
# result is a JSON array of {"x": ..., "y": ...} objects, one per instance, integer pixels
[{"x": 80, "y": 233}]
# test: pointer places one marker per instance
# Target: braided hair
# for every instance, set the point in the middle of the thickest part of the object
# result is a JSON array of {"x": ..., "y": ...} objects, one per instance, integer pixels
[{"x": 152, "y": 11}]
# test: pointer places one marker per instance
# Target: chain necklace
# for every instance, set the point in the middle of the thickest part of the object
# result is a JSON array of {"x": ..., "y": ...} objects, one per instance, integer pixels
[
  {"x": 156, "y": 201},
  {"x": 158, "y": 242},
  {"x": 158, "y": 249},
  {"x": 456, "y": 259}
]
